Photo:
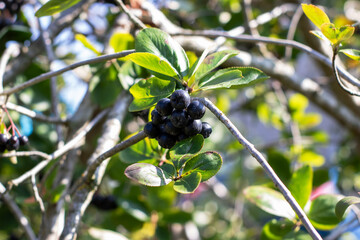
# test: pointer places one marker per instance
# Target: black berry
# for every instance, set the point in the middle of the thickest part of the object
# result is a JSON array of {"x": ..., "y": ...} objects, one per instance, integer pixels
[
  {"x": 179, "y": 118},
  {"x": 13, "y": 143},
  {"x": 156, "y": 118},
  {"x": 166, "y": 141},
  {"x": 151, "y": 130},
  {"x": 193, "y": 127},
  {"x": 104, "y": 202},
  {"x": 180, "y": 99},
  {"x": 182, "y": 136},
  {"x": 206, "y": 129},
  {"x": 23, "y": 140},
  {"x": 164, "y": 107},
  {"x": 3, "y": 139},
  {"x": 196, "y": 110},
  {"x": 171, "y": 129}
]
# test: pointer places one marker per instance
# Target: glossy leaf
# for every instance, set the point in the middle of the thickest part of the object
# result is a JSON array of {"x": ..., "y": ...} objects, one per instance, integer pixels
[
  {"x": 315, "y": 14},
  {"x": 153, "y": 62},
  {"x": 105, "y": 87},
  {"x": 351, "y": 53},
  {"x": 141, "y": 151},
  {"x": 187, "y": 146},
  {"x": 337, "y": 35},
  {"x": 86, "y": 43},
  {"x": 232, "y": 77},
  {"x": 299, "y": 235},
  {"x": 188, "y": 183},
  {"x": 55, "y": 6},
  {"x": 322, "y": 212},
  {"x": 343, "y": 204},
  {"x": 207, "y": 163},
  {"x": 196, "y": 65},
  {"x": 276, "y": 229},
  {"x": 213, "y": 61},
  {"x": 148, "y": 92},
  {"x": 159, "y": 43},
  {"x": 147, "y": 174},
  {"x": 269, "y": 200},
  {"x": 300, "y": 185},
  {"x": 122, "y": 41}
]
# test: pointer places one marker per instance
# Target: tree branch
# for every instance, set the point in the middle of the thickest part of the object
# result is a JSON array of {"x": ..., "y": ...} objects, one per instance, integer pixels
[
  {"x": 48, "y": 75},
  {"x": 132, "y": 17},
  {"x": 262, "y": 161}
]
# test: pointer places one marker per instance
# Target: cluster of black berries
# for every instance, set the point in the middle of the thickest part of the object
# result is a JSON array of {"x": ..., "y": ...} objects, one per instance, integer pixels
[
  {"x": 12, "y": 143},
  {"x": 104, "y": 202},
  {"x": 176, "y": 119}
]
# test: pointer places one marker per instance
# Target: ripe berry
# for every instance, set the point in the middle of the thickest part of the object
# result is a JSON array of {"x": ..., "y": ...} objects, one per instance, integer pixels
[
  {"x": 104, "y": 202},
  {"x": 151, "y": 130},
  {"x": 180, "y": 99},
  {"x": 196, "y": 109},
  {"x": 3, "y": 139},
  {"x": 166, "y": 141},
  {"x": 156, "y": 118},
  {"x": 171, "y": 129},
  {"x": 164, "y": 107},
  {"x": 179, "y": 118},
  {"x": 193, "y": 127},
  {"x": 23, "y": 140},
  {"x": 206, "y": 129},
  {"x": 13, "y": 143}
]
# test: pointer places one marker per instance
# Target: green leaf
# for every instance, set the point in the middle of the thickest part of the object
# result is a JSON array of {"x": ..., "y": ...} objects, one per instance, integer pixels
[
  {"x": 315, "y": 14},
  {"x": 322, "y": 212},
  {"x": 159, "y": 43},
  {"x": 153, "y": 63},
  {"x": 280, "y": 163},
  {"x": 213, "y": 61},
  {"x": 130, "y": 72},
  {"x": 187, "y": 146},
  {"x": 148, "y": 92},
  {"x": 176, "y": 216},
  {"x": 55, "y": 194},
  {"x": 300, "y": 185},
  {"x": 122, "y": 41},
  {"x": 135, "y": 209},
  {"x": 86, "y": 43},
  {"x": 351, "y": 53},
  {"x": 207, "y": 163},
  {"x": 298, "y": 102},
  {"x": 231, "y": 77},
  {"x": 276, "y": 229},
  {"x": 55, "y": 6},
  {"x": 196, "y": 65},
  {"x": 345, "y": 32},
  {"x": 269, "y": 200},
  {"x": 188, "y": 183},
  {"x": 147, "y": 174},
  {"x": 311, "y": 158},
  {"x": 141, "y": 151},
  {"x": 105, "y": 87},
  {"x": 337, "y": 35},
  {"x": 343, "y": 204},
  {"x": 300, "y": 235}
]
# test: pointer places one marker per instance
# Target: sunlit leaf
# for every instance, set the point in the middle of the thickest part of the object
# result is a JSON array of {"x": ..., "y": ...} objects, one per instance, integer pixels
[
  {"x": 55, "y": 6},
  {"x": 188, "y": 183},
  {"x": 351, "y": 53},
  {"x": 299, "y": 235},
  {"x": 269, "y": 200},
  {"x": 311, "y": 158},
  {"x": 315, "y": 14},
  {"x": 141, "y": 151},
  {"x": 147, "y": 174},
  {"x": 343, "y": 204},
  {"x": 276, "y": 229},
  {"x": 86, "y": 43},
  {"x": 122, "y": 41},
  {"x": 300, "y": 185},
  {"x": 206, "y": 163}
]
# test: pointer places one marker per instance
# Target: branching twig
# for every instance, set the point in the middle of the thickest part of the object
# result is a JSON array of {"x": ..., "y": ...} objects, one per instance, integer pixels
[
  {"x": 134, "y": 19},
  {"x": 283, "y": 42},
  {"x": 48, "y": 75},
  {"x": 36, "y": 194},
  {"x": 73, "y": 143},
  {"x": 14, "y": 208},
  {"x": 34, "y": 115},
  {"x": 262, "y": 161}
]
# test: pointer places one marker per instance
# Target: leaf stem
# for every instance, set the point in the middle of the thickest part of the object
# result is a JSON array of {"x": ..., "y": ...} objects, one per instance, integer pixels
[{"x": 262, "y": 161}]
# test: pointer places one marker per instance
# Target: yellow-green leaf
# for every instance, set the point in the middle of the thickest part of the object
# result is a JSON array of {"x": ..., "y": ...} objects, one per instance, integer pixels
[
  {"x": 122, "y": 41},
  {"x": 311, "y": 158},
  {"x": 330, "y": 32},
  {"x": 345, "y": 32},
  {"x": 315, "y": 14},
  {"x": 351, "y": 53},
  {"x": 86, "y": 43}
]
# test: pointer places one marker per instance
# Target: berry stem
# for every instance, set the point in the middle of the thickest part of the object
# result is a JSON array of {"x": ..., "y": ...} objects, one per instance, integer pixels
[{"x": 13, "y": 127}]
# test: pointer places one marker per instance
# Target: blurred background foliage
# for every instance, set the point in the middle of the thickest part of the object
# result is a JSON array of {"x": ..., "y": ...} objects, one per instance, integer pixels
[{"x": 283, "y": 124}]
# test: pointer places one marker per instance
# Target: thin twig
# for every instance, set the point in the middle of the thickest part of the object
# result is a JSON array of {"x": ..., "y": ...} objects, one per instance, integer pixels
[
  {"x": 25, "y": 154},
  {"x": 132, "y": 17},
  {"x": 73, "y": 143},
  {"x": 20, "y": 217},
  {"x": 36, "y": 194},
  {"x": 283, "y": 42},
  {"x": 90, "y": 170},
  {"x": 262, "y": 161},
  {"x": 48, "y": 75},
  {"x": 34, "y": 115},
  {"x": 338, "y": 78},
  {"x": 292, "y": 29}
]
